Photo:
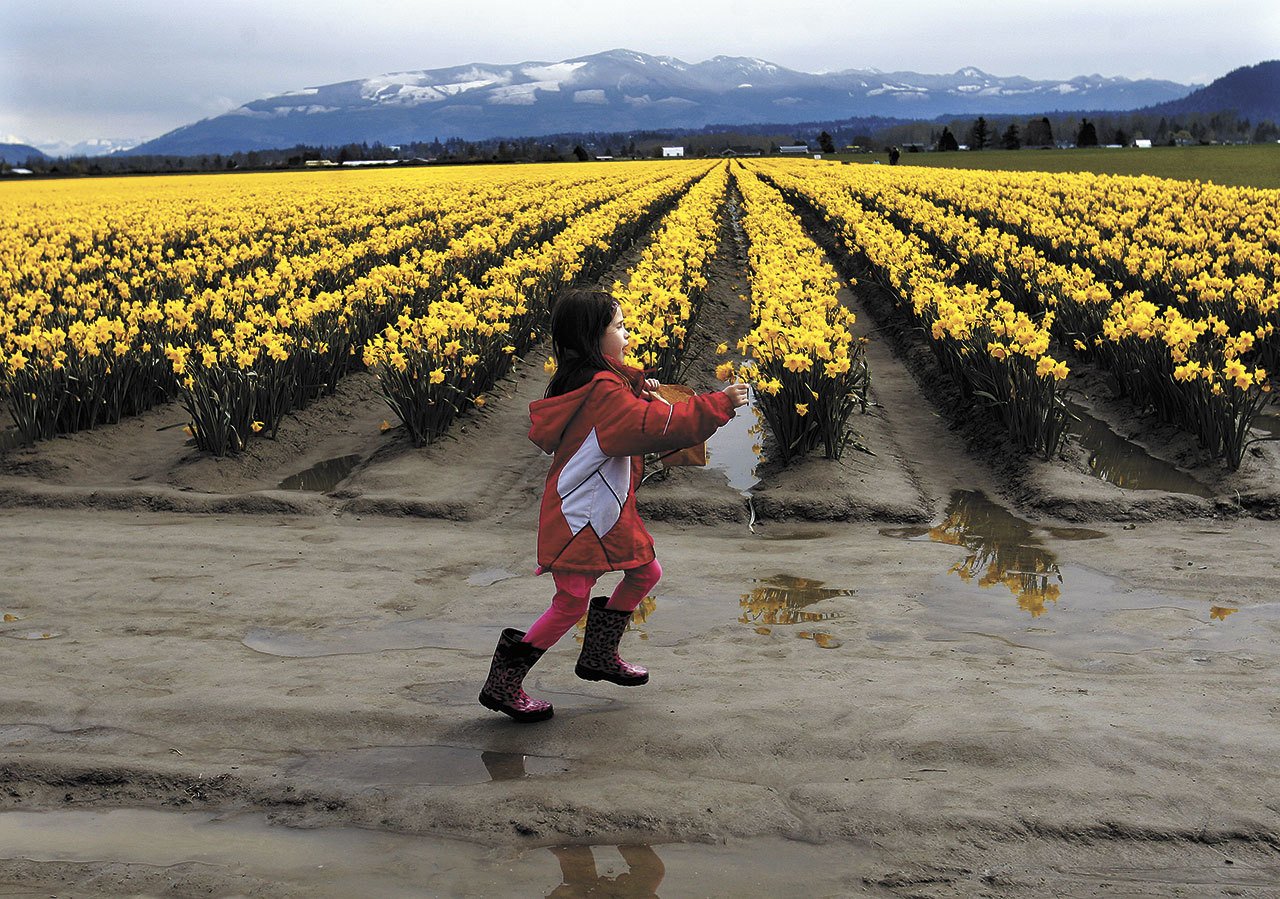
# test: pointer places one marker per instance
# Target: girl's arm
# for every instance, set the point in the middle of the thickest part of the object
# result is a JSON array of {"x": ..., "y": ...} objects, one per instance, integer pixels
[{"x": 628, "y": 425}]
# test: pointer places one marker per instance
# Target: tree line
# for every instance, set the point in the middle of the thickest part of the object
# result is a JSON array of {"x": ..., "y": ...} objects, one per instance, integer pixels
[{"x": 984, "y": 132}]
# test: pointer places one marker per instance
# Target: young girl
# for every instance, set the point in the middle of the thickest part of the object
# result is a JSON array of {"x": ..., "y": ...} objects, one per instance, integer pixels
[{"x": 599, "y": 417}]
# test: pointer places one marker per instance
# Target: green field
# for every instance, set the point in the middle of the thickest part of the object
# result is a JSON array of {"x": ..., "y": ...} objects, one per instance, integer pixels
[{"x": 1251, "y": 165}]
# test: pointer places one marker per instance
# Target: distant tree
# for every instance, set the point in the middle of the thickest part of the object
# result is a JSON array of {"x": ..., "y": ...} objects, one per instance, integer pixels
[
  {"x": 1011, "y": 139},
  {"x": 1087, "y": 136},
  {"x": 582, "y": 154},
  {"x": 825, "y": 143},
  {"x": 979, "y": 135},
  {"x": 948, "y": 141},
  {"x": 1038, "y": 133},
  {"x": 1120, "y": 137}
]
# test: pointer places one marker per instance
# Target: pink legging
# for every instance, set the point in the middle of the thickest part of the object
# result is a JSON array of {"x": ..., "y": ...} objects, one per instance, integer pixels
[{"x": 573, "y": 593}]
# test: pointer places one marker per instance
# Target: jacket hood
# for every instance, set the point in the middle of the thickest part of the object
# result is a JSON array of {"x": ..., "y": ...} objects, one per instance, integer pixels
[{"x": 551, "y": 415}]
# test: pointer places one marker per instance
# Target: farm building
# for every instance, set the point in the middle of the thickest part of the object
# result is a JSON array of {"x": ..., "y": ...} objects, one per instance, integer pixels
[
  {"x": 672, "y": 151},
  {"x": 794, "y": 150}
]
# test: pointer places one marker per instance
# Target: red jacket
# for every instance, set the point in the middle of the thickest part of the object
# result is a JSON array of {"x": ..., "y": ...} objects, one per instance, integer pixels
[{"x": 599, "y": 434}]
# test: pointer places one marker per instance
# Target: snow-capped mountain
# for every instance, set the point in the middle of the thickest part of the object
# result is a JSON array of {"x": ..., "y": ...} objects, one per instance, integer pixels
[
  {"x": 622, "y": 90},
  {"x": 96, "y": 146}
]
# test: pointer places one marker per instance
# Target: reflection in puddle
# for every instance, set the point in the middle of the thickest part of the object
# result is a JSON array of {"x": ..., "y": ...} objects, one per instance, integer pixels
[
  {"x": 782, "y": 599},
  {"x": 735, "y": 449},
  {"x": 1099, "y": 614},
  {"x": 1092, "y": 613},
  {"x": 580, "y": 872},
  {"x": 1002, "y": 551},
  {"x": 257, "y": 857},
  {"x": 441, "y": 765},
  {"x": 323, "y": 476},
  {"x": 1124, "y": 463}
]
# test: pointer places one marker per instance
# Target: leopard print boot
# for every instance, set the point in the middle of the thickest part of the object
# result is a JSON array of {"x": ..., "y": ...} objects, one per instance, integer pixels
[
  {"x": 599, "y": 659},
  {"x": 504, "y": 691}
]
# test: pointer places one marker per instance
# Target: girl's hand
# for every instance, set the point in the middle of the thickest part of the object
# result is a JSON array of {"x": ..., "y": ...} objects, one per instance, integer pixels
[{"x": 737, "y": 393}]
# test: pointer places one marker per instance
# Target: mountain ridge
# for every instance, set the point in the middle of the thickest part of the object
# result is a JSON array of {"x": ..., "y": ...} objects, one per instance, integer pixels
[{"x": 623, "y": 90}]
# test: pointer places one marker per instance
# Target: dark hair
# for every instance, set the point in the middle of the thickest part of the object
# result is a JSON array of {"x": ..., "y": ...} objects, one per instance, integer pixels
[{"x": 579, "y": 319}]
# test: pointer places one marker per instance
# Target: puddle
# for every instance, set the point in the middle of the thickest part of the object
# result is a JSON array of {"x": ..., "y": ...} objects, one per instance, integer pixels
[
  {"x": 734, "y": 448},
  {"x": 31, "y": 635},
  {"x": 1067, "y": 609},
  {"x": 778, "y": 601},
  {"x": 437, "y": 765},
  {"x": 784, "y": 599},
  {"x": 1004, "y": 550},
  {"x": 243, "y": 854},
  {"x": 1096, "y": 614},
  {"x": 323, "y": 476},
  {"x": 1125, "y": 464},
  {"x": 380, "y": 636},
  {"x": 775, "y": 531},
  {"x": 1267, "y": 424},
  {"x": 397, "y": 634}
]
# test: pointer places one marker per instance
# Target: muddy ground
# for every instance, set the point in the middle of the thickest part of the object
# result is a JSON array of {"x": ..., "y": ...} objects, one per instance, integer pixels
[{"x": 934, "y": 669}]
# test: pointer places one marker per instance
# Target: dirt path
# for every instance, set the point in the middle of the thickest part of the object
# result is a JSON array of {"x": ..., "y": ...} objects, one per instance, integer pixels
[{"x": 910, "y": 679}]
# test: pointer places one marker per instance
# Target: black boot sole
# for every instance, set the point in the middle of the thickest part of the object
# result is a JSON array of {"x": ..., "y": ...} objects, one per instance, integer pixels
[
  {"x": 490, "y": 702},
  {"x": 592, "y": 674}
]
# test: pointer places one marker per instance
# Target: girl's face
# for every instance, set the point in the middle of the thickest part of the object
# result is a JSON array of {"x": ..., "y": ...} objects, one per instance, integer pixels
[{"x": 614, "y": 341}]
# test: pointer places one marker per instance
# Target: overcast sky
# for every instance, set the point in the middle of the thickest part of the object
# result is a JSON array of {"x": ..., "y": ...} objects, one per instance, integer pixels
[{"x": 75, "y": 69}]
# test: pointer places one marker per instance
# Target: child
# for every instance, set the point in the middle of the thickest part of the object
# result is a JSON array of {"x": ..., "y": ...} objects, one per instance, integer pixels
[{"x": 599, "y": 417}]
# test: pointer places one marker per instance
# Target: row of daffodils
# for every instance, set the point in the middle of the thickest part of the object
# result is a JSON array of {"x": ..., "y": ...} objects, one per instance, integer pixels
[
  {"x": 808, "y": 370},
  {"x": 245, "y": 298},
  {"x": 1168, "y": 285}
]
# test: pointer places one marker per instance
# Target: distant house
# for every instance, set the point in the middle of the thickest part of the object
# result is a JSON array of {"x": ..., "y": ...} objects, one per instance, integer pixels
[
  {"x": 730, "y": 152},
  {"x": 1143, "y": 143},
  {"x": 794, "y": 150},
  {"x": 673, "y": 151}
]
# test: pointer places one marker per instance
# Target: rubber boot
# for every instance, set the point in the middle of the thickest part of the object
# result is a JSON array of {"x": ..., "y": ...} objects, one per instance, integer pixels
[
  {"x": 599, "y": 659},
  {"x": 503, "y": 691}
]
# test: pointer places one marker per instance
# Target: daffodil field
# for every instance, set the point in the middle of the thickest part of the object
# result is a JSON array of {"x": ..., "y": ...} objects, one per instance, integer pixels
[
  {"x": 1170, "y": 286},
  {"x": 245, "y": 297}
]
